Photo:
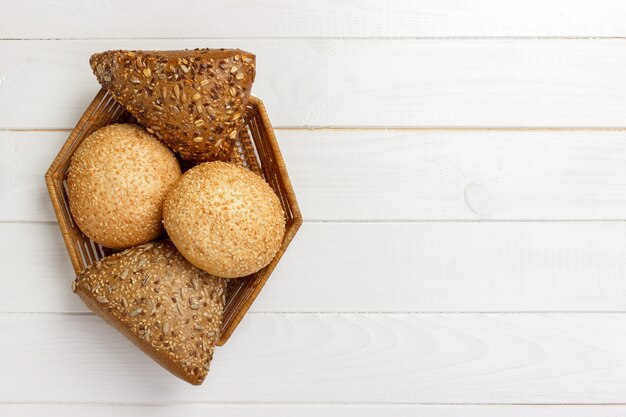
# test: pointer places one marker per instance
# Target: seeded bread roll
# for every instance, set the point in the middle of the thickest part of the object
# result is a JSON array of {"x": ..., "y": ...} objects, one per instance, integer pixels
[
  {"x": 193, "y": 100},
  {"x": 117, "y": 181},
  {"x": 168, "y": 308},
  {"x": 224, "y": 219}
]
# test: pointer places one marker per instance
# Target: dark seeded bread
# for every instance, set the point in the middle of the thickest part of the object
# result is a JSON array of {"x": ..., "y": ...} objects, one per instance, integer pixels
[
  {"x": 168, "y": 308},
  {"x": 192, "y": 100}
]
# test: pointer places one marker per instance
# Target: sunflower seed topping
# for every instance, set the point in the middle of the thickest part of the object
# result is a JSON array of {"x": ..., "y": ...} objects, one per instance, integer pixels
[
  {"x": 168, "y": 93},
  {"x": 160, "y": 305}
]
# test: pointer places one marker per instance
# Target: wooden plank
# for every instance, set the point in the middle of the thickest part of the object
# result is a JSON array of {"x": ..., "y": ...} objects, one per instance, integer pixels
[
  {"x": 398, "y": 174},
  {"x": 322, "y": 18},
  {"x": 309, "y": 410},
  {"x": 277, "y": 358},
  {"x": 372, "y": 267},
  {"x": 458, "y": 175},
  {"x": 24, "y": 159},
  {"x": 405, "y": 83}
]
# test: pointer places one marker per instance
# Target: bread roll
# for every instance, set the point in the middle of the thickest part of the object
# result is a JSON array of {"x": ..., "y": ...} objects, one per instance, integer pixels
[
  {"x": 168, "y": 308},
  {"x": 117, "y": 181},
  {"x": 193, "y": 100},
  {"x": 224, "y": 219}
]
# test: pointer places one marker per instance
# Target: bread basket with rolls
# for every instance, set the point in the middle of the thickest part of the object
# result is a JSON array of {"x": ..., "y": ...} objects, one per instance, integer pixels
[{"x": 173, "y": 200}]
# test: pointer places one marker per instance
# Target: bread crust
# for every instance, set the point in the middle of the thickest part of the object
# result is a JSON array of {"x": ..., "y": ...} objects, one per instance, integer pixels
[
  {"x": 117, "y": 182},
  {"x": 224, "y": 219},
  {"x": 169, "y": 309},
  {"x": 192, "y": 100}
]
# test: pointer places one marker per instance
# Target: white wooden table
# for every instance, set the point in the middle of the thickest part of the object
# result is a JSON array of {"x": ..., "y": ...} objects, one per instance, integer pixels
[{"x": 461, "y": 167}]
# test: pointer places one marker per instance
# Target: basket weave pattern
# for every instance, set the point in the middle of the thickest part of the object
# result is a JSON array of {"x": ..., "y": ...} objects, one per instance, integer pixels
[{"x": 256, "y": 149}]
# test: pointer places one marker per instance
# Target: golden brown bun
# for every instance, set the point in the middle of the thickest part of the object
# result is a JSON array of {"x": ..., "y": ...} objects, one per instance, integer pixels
[
  {"x": 224, "y": 219},
  {"x": 168, "y": 308},
  {"x": 117, "y": 181},
  {"x": 193, "y": 100}
]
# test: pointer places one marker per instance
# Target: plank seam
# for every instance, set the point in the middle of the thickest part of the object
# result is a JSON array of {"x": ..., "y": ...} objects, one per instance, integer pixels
[
  {"x": 396, "y": 128},
  {"x": 292, "y": 403},
  {"x": 363, "y": 313},
  {"x": 393, "y": 221},
  {"x": 329, "y": 38}
]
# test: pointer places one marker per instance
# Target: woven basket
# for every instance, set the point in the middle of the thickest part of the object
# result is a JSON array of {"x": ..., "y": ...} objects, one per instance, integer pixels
[{"x": 257, "y": 150}]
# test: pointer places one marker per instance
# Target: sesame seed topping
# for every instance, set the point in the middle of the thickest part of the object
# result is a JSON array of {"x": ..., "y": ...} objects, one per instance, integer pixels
[{"x": 161, "y": 321}]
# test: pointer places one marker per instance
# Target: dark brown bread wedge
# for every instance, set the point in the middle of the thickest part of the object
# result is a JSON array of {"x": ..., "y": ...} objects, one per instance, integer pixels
[
  {"x": 168, "y": 308},
  {"x": 192, "y": 100}
]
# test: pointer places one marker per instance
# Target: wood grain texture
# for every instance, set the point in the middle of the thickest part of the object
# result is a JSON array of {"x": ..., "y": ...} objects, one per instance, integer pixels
[
  {"x": 323, "y": 18},
  {"x": 398, "y": 174},
  {"x": 458, "y": 175},
  {"x": 372, "y": 267},
  {"x": 495, "y": 359},
  {"x": 405, "y": 83},
  {"x": 307, "y": 410}
]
